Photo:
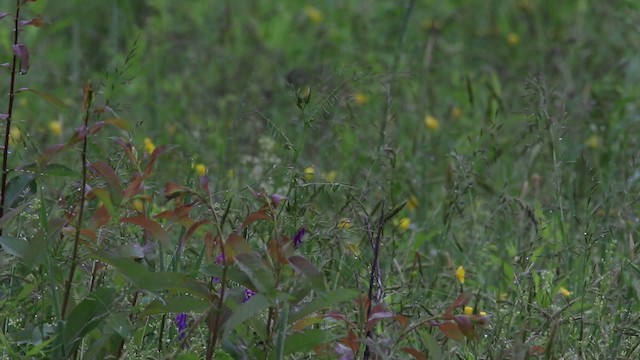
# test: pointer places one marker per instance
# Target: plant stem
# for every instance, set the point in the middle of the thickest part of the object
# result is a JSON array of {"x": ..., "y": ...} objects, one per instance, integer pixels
[
  {"x": 7, "y": 133},
  {"x": 88, "y": 97}
]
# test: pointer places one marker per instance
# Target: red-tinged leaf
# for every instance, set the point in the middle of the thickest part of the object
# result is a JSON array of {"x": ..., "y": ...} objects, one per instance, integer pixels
[
  {"x": 306, "y": 322},
  {"x": 460, "y": 301},
  {"x": 127, "y": 147},
  {"x": 466, "y": 326},
  {"x": 46, "y": 97},
  {"x": 190, "y": 231},
  {"x": 48, "y": 154},
  {"x": 415, "y": 353},
  {"x": 22, "y": 53},
  {"x": 402, "y": 320},
  {"x": 89, "y": 234},
  {"x": 173, "y": 190},
  {"x": 100, "y": 217},
  {"x": 537, "y": 350},
  {"x": 378, "y": 312},
  {"x": 479, "y": 319},
  {"x": 262, "y": 214},
  {"x": 36, "y": 21},
  {"x": 154, "y": 156},
  {"x": 119, "y": 123},
  {"x": 305, "y": 267},
  {"x": 277, "y": 250},
  {"x": 134, "y": 187},
  {"x": 351, "y": 341},
  {"x": 97, "y": 126},
  {"x": 234, "y": 246},
  {"x": 151, "y": 226},
  {"x": 176, "y": 214},
  {"x": 110, "y": 176},
  {"x": 451, "y": 331},
  {"x": 78, "y": 135},
  {"x": 4, "y": 116},
  {"x": 3, "y": 15},
  {"x": 103, "y": 195}
]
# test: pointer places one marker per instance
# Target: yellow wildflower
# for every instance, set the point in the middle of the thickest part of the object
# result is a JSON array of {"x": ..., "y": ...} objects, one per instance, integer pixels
[
  {"x": 14, "y": 135},
  {"x": 482, "y": 313},
  {"x": 460, "y": 273},
  {"x": 456, "y": 112},
  {"x": 200, "y": 169},
  {"x": 431, "y": 122},
  {"x": 314, "y": 14},
  {"x": 344, "y": 224},
  {"x": 403, "y": 224},
  {"x": 468, "y": 310},
  {"x": 412, "y": 203},
  {"x": 331, "y": 176},
  {"x": 594, "y": 142},
  {"x": 564, "y": 292},
  {"x": 309, "y": 173},
  {"x": 360, "y": 98},
  {"x": 513, "y": 39},
  {"x": 503, "y": 296},
  {"x": 55, "y": 127},
  {"x": 149, "y": 146},
  {"x": 138, "y": 205}
]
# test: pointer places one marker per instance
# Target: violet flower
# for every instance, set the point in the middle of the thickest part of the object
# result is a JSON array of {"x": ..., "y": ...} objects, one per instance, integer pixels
[
  {"x": 297, "y": 238},
  {"x": 181, "y": 321}
]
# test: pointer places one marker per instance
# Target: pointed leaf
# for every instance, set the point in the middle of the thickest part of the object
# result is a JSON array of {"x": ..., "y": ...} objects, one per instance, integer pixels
[
  {"x": 415, "y": 353},
  {"x": 306, "y": 341},
  {"x": 14, "y": 246},
  {"x": 465, "y": 325},
  {"x": 378, "y": 312},
  {"x": 262, "y": 214},
  {"x": 19, "y": 188},
  {"x": 154, "y": 228},
  {"x": 323, "y": 301},
  {"x": 460, "y": 301},
  {"x": 452, "y": 331},
  {"x": 256, "y": 304},
  {"x": 46, "y": 97},
  {"x": 304, "y": 266},
  {"x": 261, "y": 276},
  {"x": 85, "y": 317},
  {"x": 234, "y": 246},
  {"x": 112, "y": 179}
]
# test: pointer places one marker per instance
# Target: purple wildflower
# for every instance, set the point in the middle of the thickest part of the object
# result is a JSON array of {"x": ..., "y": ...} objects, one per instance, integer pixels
[
  {"x": 297, "y": 238},
  {"x": 181, "y": 323},
  {"x": 276, "y": 198},
  {"x": 219, "y": 259},
  {"x": 248, "y": 293}
]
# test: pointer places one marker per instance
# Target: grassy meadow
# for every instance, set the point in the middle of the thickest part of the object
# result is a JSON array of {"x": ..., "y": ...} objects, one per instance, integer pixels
[{"x": 375, "y": 179}]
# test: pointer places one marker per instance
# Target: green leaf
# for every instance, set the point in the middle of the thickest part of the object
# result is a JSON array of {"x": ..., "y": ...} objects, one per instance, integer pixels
[
  {"x": 261, "y": 276},
  {"x": 144, "y": 279},
  {"x": 13, "y": 246},
  {"x": 9, "y": 215},
  {"x": 118, "y": 322},
  {"x": 37, "y": 248},
  {"x": 60, "y": 170},
  {"x": 323, "y": 301},
  {"x": 306, "y": 341},
  {"x": 433, "y": 348},
  {"x": 176, "y": 304},
  {"x": 19, "y": 188},
  {"x": 304, "y": 266},
  {"x": 247, "y": 310},
  {"x": 85, "y": 317}
]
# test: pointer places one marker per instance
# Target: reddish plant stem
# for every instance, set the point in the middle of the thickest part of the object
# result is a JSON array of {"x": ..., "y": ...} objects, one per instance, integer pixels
[{"x": 7, "y": 134}]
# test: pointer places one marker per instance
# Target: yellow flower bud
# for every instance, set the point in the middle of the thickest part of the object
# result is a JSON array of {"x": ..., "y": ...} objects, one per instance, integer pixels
[
  {"x": 55, "y": 127},
  {"x": 431, "y": 122},
  {"x": 344, "y": 224},
  {"x": 468, "y": 310},
  {"x": 460, "y": 273},
  {"x": 149, "y": 146},
  {"x": 200, "y": 169},
  {"x": 309, "y": 173}
]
